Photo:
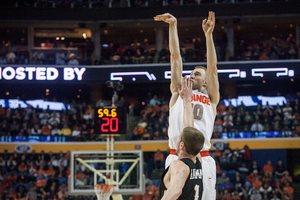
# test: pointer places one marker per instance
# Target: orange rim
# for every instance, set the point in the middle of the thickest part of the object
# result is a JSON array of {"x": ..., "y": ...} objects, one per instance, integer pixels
[{"x": 104, "y": 187}]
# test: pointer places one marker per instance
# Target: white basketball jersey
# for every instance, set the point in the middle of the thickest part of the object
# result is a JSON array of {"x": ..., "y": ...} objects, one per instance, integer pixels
[{"x": 203, "y": 118}]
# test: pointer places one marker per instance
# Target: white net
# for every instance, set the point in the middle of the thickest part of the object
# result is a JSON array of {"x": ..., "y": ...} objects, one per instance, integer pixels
[{"x": 103, "y": 191}]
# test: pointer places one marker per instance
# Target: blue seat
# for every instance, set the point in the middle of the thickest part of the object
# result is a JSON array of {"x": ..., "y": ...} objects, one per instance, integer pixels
[
  {"x": 61, "y": 180},
  {"x": 26, "y": 185},
  {"x": 156, "y": 183}
]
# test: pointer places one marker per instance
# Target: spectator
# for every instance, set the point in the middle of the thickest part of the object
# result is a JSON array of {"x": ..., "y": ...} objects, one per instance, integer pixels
[
  {"x": 227, "y": 124},
  {"x": 135, "y": 135},
  {"x": 85, "y": 132},
  {"x": 38, "y": 57},
  {"x": 10, "y": 57},
  {"x": 268, "y": 169},
  {"x": 257, "y": 127},
  {"x": 286, "y": 178},
  {"x": 248, "y": 119},
  {"x": 2, "y": 60},
  {"x": 154, "y": 101},
  {"x": 287, "y": 111},
  {"x": 11, "y": 162},
  {"x": 22, "y": 167},
  {"x": 76, "y": 132},
  {"x": 51, "y": 58},
  {"x": 266, "y": 188},
  {"x": 55, "y": 130},
  {"x": 54, "y": 118},
  {"x": 279, "y": 172},
  {"x": 73, "y": 60},
  {"x": 288, "y": 191},
  {"x": 66, "y": 131},
  {"x": 32, "y": 192},
  {"x": 255, "y": 195},
  {"x": 257, "y": 183},
  {"x": 21, "y": 188},
  {"x": 158, "y": 159},
  {"x": 46, "y": 129},
  {"x": 60, "y": 58},
  {"x": 275, "y": 197},
  {"x": 44, "y": 115},
  {"x": 12, "y": 177}
]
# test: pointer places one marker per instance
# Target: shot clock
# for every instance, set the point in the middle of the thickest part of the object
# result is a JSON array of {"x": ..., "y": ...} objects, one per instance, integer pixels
[{"x": 110, "y": 121}]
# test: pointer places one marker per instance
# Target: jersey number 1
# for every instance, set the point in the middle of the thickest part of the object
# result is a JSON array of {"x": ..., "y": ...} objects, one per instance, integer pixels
[
  {"x": 198, "y": 111},
  {"x": 196, "y": 188}
]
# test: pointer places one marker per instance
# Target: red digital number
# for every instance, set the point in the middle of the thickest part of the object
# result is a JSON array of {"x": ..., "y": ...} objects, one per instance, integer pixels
[
  {"x": 105, "y": 124},
  {"x": 109, "y": 122},
  {"x": 117, "y": 124}
]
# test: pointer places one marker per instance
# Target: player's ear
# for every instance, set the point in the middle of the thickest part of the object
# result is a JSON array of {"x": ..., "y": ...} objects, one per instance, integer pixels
[
  {"x": 205, "y": 84},
  {"x": 181, "y": 145}
]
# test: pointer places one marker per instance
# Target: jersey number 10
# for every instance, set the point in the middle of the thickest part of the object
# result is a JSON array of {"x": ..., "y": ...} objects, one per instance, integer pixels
[{"x": 198, "y": 111}]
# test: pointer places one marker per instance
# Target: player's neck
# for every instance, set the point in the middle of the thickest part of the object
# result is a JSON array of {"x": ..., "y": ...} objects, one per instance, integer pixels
[
  {"x": 200, "y": 89},
  {"x": 183, "y": 154}
]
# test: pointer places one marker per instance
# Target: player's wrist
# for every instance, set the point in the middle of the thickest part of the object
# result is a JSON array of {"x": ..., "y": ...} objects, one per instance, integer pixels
[
  {"x": 186, "y": 99},
  {"x": 208, "y": 35},
  {"x": 173, "y": 24}
]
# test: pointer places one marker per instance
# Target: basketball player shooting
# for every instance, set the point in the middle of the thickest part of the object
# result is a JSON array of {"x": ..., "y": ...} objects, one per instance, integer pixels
[
  {"x": 205, "y": 98},
  {"x": 182, "y": 180}
]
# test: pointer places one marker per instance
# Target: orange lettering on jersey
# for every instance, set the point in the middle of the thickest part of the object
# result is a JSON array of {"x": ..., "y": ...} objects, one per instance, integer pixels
[
  {"x": 193, "y": 98},
  {"x": 198, "y": 98},
  {"x": 204, "y": 100},
  {"x": 201, "y": 98}
]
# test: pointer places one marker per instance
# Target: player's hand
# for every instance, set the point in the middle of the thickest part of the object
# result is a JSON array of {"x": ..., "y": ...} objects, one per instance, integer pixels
[
  {"x": 167, "y": 17},
  {"x": 186, "y": 90},
  {"x": 208, "y": 24}
]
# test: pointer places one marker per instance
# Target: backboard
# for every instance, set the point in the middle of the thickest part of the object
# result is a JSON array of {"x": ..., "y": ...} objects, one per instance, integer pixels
[{"x": 123, "y": 169}]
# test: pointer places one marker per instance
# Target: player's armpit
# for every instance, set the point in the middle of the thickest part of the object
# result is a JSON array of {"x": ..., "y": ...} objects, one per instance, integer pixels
[{"x": 179, "y": 174}]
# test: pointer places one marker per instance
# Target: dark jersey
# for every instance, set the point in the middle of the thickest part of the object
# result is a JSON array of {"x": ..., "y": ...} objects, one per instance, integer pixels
[{"x": 193, "y": 187}]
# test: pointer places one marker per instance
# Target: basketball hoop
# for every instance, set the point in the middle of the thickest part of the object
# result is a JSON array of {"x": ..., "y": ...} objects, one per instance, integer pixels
[{"x": 103, "y": 191}]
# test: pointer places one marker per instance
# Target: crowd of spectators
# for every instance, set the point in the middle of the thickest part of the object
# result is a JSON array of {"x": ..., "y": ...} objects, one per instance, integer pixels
[
  {"x": 116, "y": 3},
  {"x": 143, "y": 52},
  {"x": 43, "y": 176},
  {"x": 267, "y": 49},
  {"x": 241, "y": 178},
  {"x": 230, "y": 120},
  {"x": 78, "y": 120},
  {"x": 267, "y": 118},
  {"x": 34, "y": 176},
  {"x": 14, "y": 53}
]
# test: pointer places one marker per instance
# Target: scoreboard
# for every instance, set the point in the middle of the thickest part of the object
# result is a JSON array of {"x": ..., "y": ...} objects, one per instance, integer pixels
[{"x": 110, "y": 121}]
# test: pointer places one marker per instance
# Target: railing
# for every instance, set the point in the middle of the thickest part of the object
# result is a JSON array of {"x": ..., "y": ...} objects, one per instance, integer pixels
[{"x": 62, "y": 138}]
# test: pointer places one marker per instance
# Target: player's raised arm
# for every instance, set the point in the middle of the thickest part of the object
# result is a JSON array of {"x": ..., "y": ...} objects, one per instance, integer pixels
[
  {"x": 186, "y": 93},
  {"x": 176, "y": 61},
  {"x": 179, "y": 173},
  {"x": 208, "y": 26}
]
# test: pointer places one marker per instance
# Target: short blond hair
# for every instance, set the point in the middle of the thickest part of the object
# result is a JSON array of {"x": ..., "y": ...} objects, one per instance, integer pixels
[{"x": 201, "y": 67}]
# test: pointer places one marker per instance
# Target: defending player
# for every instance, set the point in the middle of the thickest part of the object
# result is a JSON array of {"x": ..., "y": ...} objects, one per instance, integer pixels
[
  {"x": 205, "y": 98},
  {"x": 182, "y": 180}
]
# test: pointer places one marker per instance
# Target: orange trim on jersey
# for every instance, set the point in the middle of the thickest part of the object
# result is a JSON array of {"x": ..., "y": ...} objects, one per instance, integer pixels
[
  {"x": 204, "y": 153},
  {"x": 173, "y": 151}
]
